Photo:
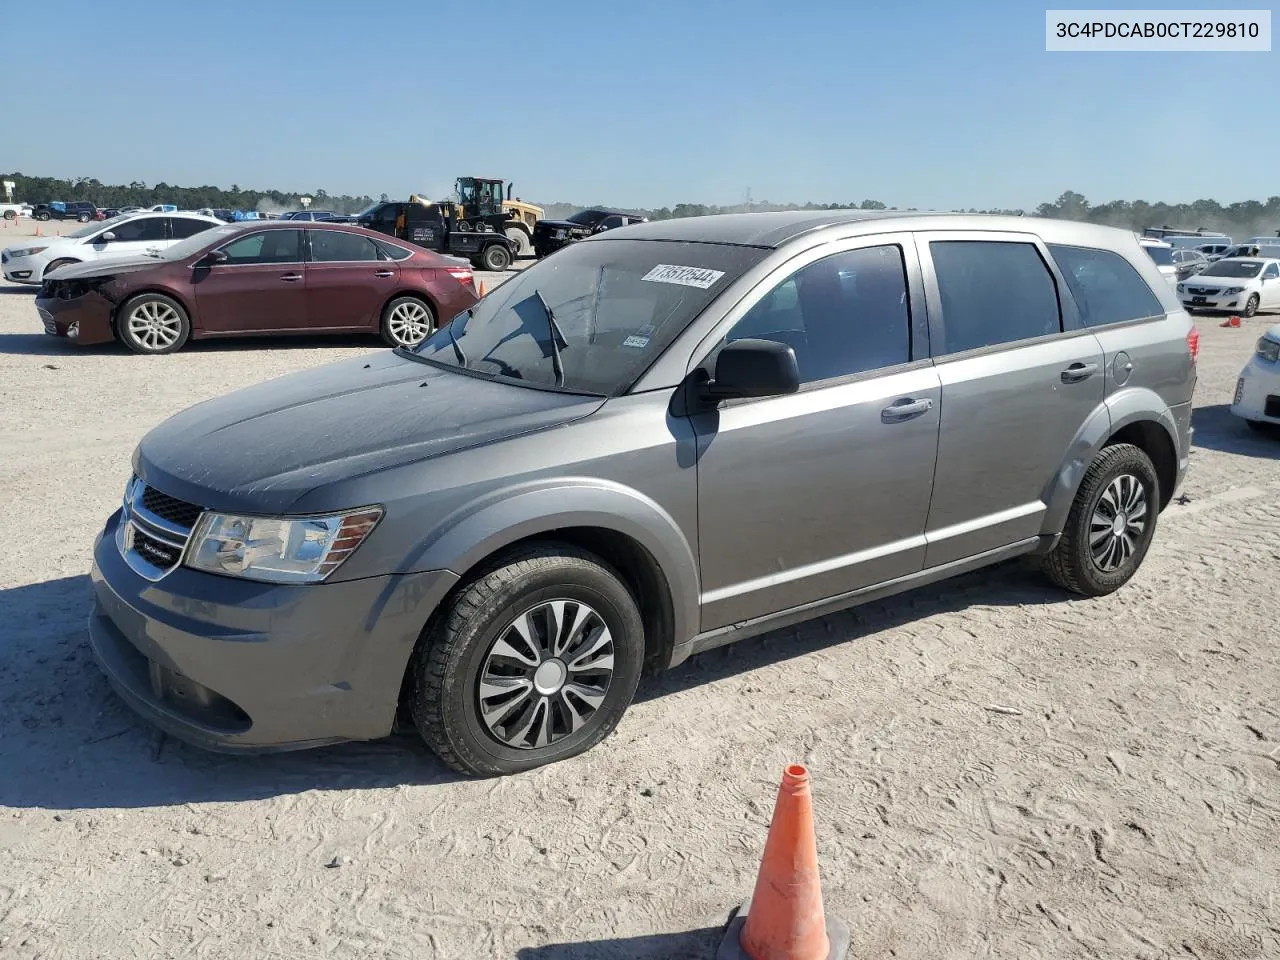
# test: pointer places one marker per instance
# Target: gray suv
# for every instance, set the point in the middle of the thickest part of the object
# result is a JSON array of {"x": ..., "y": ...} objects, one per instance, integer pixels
[{"x": 666, "y": 438}]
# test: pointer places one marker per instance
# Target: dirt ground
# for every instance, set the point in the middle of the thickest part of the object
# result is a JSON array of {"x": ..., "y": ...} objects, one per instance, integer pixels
[{"x": 1122, "y": 801}]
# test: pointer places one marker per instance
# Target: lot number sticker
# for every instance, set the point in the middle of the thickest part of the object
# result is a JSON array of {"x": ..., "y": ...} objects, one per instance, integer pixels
[{"x": 684, "y": 276}]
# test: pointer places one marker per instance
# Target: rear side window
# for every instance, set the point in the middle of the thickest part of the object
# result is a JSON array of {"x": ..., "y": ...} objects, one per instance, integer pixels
[
  {"x": 993, "y": 292},
  {"x": 393, "y": 251},
  {"x": 335, "y": 246},
  {"x": 1106, "y": 287},
  {"x": 182, "y": 227}
]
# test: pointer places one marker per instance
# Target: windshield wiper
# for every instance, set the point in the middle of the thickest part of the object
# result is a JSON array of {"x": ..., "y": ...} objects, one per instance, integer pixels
[{"x": 556, "y": 365}]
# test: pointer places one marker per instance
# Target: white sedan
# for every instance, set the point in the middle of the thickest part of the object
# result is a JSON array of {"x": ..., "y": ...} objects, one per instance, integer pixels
[
  {"x": 1236, "y": 284},
  {"x": 128, "y": 235},
  {"x": 1257, "y": 398}
]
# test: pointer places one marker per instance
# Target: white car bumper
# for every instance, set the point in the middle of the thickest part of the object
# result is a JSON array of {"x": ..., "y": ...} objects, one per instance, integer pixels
[
  {"x": 1194, "y": 297},
  {"x": 1258, "y": 391},
  {"x": 23, "y": 269}
]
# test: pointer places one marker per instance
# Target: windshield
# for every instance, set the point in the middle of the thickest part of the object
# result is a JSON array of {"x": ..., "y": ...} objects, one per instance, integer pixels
[
  {"x": 1239, "y": 269},
  {"x": 1161, "y": 255},
  {"x": 617, "y": 303},
  {"x": 368, "y": 210},
  {"x": 588, "y": 218},
  {"x": 198, "y": 241},
  {"x": 95, "y": 228}
]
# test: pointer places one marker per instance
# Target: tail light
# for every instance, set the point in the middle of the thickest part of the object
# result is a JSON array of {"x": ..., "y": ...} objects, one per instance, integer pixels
[
  {"x": 1193, "y": 344},
  {"x": 463, "y": 275}
]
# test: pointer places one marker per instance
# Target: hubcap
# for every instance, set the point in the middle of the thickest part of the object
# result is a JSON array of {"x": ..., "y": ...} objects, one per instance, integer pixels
[
  {"x": 1119, "y": 520},
  {"x": 155, "y": 325},
  {"x": 546, "y": 674},
  {"x": 409, "y": 323}
]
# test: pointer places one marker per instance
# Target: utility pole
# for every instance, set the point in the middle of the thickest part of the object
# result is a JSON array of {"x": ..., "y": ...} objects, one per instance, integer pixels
[{"x": 748, "y": 200}]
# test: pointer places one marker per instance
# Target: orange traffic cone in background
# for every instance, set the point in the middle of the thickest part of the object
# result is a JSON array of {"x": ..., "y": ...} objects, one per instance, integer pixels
[
  {"x": 482, "y": 289},
  {"x": 1231, "y": 322},
  {"x": 38, "y": 230},
  {"x": 785, "y": 919}
]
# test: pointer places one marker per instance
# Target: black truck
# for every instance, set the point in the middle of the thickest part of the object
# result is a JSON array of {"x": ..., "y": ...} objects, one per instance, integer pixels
[
  {"x": 80, "y": 210},
  {"x": 434, "y": 227},
  {"x": 550, "y": 235}
]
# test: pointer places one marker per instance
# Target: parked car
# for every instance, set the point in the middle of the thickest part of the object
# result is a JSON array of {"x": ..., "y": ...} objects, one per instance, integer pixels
[
  {"x": 1257, "y": 396},
  {"x": 133, "y": 208},
  {"x": 163, "y": 208},
  {"x": 245, "y": 279},
  {"x": 1162, "y": 254},
  {"x": 1233, "y": 285},
  {"x": 13, "y": 211},
  {"x": 1246, "y": 250},
  {"x": 551, "y": 235},
  {"x": 125, "y": 236},
  {"x": 1187, "y": 263},
  {"x": 222, "y": 213},
  {"x": 1214, "y": 251},
  {"x": 309, "y": 215},
  {"x": 80, "y": 210},
  {"x": 664, "y": 438}
]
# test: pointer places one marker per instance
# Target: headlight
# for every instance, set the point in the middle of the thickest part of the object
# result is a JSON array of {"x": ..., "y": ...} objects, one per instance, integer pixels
[
  {"x": 1231, "y": 290},
  {"x": 27, "y": 252},
  {"x": 1269, "y": 349},
  {"x": 1182, "y": 288},
  {"x": 297, "y": 550}
]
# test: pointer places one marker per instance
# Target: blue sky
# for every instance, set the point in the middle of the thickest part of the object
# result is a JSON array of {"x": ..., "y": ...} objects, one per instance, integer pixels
[{"x": 932, "y": 105}]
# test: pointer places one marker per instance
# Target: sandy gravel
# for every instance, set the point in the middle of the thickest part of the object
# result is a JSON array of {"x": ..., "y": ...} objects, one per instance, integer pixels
[{"x": 1125, "y": 802}]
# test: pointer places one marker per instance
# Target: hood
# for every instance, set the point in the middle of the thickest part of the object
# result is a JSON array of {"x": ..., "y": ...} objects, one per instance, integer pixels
[
  {"x": 107, "y": 267},
  {"x": 259, "y": 449},
  {"x": 1217, "y": 283},
  {"x": 564, "y": 225},
  {"x": 39, "y": 242}
]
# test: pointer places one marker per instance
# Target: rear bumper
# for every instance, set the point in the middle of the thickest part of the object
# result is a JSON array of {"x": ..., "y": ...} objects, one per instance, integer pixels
[
  {"x": 84, "y": 320},
  {"x": 240, "y": 667}
]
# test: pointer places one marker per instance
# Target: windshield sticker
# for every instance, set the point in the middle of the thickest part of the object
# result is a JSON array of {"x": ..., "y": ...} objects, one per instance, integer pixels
[
  {"x": 634, "y": 341},
  {"x": 684, "y": 276}
]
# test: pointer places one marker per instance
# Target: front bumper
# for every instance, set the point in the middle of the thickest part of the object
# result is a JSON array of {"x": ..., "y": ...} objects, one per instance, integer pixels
[
  {"x": 1257, "y": 395},
  {"x": 240, "y": 667},
  {"x": 22, "y": 270},
  {"x": 84, "y": 320},
  {"x": 1219, "y": 302}
]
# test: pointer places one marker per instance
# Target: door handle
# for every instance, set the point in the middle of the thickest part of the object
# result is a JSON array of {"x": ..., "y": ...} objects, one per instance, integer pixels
[
  {"x": 905, "y": 409},
  {"x": 382, "y": 273},
  {"x": 291, "y": 276},
  {"x": 1079, "y": 371}
]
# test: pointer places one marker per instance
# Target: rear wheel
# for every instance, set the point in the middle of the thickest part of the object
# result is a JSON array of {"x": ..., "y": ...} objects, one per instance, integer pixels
[
  {"x": 11, "y": 215},
  {"x": 83, "y": 218},
  {"x": 153, "y": 323},
  {"x": 406, "y": 322},
  {"x": 1251, "y": 306},
  {"x": 1110, "y": 525},
  {"x": 534, "y": 662},
  {"x": 43, "y": 216},
  {"x": 495, "y": 257}
]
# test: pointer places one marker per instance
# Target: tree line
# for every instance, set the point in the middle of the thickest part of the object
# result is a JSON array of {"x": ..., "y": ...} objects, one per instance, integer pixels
[{"x": 1241, "y": 219}]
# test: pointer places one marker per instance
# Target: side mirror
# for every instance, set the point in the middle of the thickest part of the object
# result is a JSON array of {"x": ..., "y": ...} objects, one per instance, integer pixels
[
  {"x": 753, "y": 368},
  {"x": 107, "y": 237},
  {"x": 212, "y": 257}
]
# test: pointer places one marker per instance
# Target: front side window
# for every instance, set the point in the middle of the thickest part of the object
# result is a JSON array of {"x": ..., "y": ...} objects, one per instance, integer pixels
[
  {"x": 993, "y": 292},
  {"x": 1106, "y": 287},
  {"x": 336, "y": 246},
  {"x": 149, "y": 229},
  {"x": 842, "y": 315},
  {"x": 617, "y": 304},
  {"x": 269, "y": 246}
]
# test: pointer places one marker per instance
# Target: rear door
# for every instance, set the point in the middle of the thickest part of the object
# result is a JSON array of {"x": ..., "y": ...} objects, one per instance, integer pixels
[
  {"x": 1018, "y": 385},
  {"x": 179, "y": 228},
  {"x": 349, "y": 279},
  {"x": 261, "y": 287}
]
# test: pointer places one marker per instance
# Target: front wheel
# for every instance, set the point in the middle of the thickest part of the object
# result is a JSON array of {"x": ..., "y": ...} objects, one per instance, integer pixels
[
  {"x": 43, "y": 217},
  {"x": 83, "y": 218},
  {"x": 534, "y": 662},
  {"x": 1110, "y": 525},
  {"x": 55, "y": 265},
  {"x": 11, "y": 215},
  {"x": 519, "y": 240},
  {"x": 495, "y": 258},
  {"x": 1251, "y": 306},
  {"x": 406, "y": 322},
  {"x": 153, "y": 323}
]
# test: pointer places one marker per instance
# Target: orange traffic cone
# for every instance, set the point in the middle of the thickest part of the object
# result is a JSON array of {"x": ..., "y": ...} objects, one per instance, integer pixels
[
  {"x": 482, "y": 289},
  {"x": 38, "y": 230},
  {"x": 1231, "y": 322},
  {"x": 784, "y": 919}
]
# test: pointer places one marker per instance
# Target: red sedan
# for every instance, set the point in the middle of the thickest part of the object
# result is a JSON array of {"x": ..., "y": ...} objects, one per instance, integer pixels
[{"x": 249, "y": 279}]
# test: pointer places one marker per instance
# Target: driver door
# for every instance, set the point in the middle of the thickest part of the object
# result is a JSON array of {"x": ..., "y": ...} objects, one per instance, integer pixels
[{"x": 261, "y": 287}]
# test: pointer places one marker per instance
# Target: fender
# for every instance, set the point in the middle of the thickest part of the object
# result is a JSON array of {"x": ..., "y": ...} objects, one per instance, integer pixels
[
  {"x": 1126, "y": 406},
  {"x": 468, "y": 535}
]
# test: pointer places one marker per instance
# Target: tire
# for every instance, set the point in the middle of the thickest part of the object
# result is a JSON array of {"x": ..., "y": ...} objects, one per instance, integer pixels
[
  {"x": 462, "y": 226},
  {"x": 43, "y": 216},
  {"x": 11, "y": 215},
  {"x": 55, "y": 264},
  {"x": 495, "y": 257},
  {"x": 461, "y": 648},
  {"x": 152, "y": 323},
  {"x": 1073, "y": 563},
  {"x": 1251, "y": 306},
  {"x": 83, "y": 218},
  {"x": 520, "y": 240},
  {"x": 407, "y": 321}
]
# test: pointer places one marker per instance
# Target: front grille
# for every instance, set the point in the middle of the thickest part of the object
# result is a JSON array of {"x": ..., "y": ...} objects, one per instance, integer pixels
[
  {"x": 154, "y": 529},
  {"x": 1272, "y": 408},
  {"x": 170, "y": 508},
  {"x": 1203, "y": 291}
]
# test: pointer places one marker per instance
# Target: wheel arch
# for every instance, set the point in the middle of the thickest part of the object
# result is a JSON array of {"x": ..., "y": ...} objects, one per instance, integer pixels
[
  {"x": 417, "y": 294},
  {"x": 1138, "y": 416},
  {"x": 181, "y": 300}
]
